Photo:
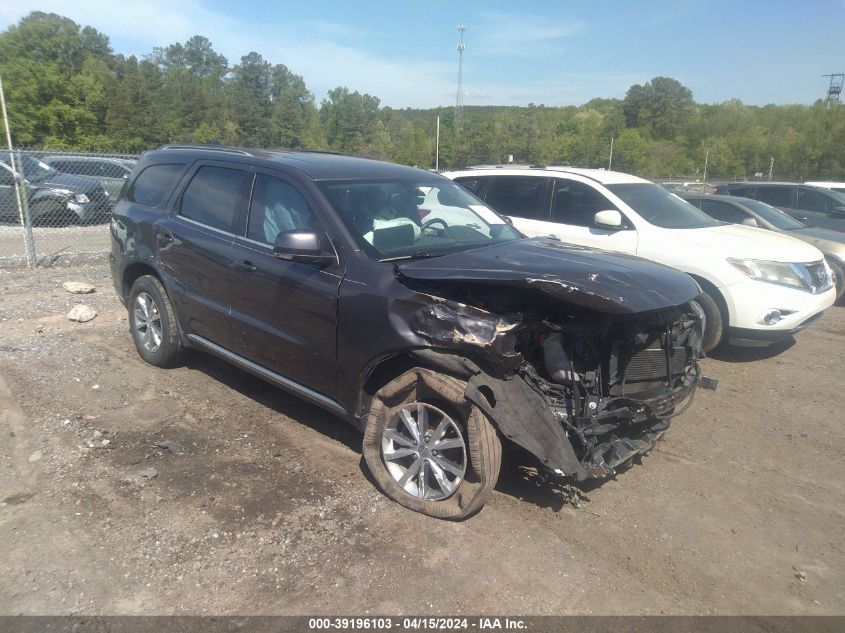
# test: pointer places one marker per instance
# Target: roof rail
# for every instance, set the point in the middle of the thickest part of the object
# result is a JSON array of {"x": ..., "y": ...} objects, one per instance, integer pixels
[{"x": 211, "y": 148}]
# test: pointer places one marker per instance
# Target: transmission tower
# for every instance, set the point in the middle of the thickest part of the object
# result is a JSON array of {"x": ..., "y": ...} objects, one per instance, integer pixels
[
  {"x": 459, "y": 100},
  {"x": 835, "y": 87}
]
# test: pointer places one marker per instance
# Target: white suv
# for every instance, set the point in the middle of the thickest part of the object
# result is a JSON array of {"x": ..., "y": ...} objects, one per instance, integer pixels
[{"x": 758, "y": 286}]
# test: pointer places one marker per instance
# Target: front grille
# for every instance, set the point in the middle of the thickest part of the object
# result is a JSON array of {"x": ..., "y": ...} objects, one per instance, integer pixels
[{"x": 819, "y": 278}]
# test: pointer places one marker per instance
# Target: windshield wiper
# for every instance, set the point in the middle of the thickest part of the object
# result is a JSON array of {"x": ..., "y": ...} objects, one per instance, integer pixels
[{"x": 414, "y": 255}]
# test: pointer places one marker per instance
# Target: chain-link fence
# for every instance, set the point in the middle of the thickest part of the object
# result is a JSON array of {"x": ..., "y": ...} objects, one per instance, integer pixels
[{"x": 55, "y": 203}]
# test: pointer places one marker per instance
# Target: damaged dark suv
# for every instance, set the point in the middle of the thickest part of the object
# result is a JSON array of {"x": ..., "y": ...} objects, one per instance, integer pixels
[{"x": 397, "y": 300}]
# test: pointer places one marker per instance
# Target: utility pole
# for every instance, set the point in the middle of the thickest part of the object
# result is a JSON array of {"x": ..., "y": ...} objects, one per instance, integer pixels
[
  {"x": 704, "y": 178},
  {"x": 610, "y": 160},
  {"x": 20, "y": 187},
  {"x": 437, "y": 147},
  {"x": 771, "y": 167}
]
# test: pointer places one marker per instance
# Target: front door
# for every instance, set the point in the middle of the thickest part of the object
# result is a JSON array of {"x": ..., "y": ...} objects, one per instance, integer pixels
[{"x": 284, "y": 313}]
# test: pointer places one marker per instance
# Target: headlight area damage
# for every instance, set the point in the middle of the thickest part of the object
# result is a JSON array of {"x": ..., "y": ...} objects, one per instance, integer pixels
[{"x": 581, "y": 381}]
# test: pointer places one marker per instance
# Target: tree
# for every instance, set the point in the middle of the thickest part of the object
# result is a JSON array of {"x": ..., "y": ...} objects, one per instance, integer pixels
[
  {"x": 662, "y": 106},
  {"x": 349, "y": 121}
]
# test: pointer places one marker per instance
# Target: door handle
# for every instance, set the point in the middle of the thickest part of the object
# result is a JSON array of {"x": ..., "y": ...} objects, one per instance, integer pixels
[{"x": 242, "y": 266}]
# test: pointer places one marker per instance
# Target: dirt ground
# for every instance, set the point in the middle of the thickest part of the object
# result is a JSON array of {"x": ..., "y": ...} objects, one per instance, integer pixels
[{"x": 128, "y": 489}]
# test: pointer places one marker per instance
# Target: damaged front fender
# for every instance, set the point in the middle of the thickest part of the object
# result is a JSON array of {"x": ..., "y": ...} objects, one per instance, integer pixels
[{"x": 453, "y": 325}]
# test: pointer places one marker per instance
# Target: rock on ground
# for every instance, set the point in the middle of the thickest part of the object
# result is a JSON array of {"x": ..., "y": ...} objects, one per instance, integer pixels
[
  {"x": 81, "y": 313},
  {"x": 78, "y": 287}
]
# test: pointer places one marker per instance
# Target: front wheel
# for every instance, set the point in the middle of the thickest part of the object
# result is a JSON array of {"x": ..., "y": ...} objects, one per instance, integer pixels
[
  {"x": 839, "y": 274},
  {"x": 714, "y": 326},
  {"x": 429, "y": 448}
]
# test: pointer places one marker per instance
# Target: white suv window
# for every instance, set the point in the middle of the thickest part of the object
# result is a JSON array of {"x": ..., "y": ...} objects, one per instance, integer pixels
[
  {"x": 577, "y": 203},
  {"x": 519, "y": 196}
]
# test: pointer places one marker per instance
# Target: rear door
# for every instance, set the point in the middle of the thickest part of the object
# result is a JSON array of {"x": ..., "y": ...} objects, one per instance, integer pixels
[
  {"x": 284, "y": 313},
  {"x": 194, "y": 246},
  {"x": 524, "y": 198}
]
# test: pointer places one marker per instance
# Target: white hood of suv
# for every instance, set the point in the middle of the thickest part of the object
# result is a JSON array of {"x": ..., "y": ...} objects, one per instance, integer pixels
[{"x": 730, "y": 240}]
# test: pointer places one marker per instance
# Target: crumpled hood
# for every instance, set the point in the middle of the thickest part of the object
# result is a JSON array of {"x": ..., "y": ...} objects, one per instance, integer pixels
[{"x": 600, "y": 280}]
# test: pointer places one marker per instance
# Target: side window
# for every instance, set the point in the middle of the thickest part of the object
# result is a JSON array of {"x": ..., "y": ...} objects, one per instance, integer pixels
[
  {"x": 213, "y": 197},
  {"x": 60, "y": 165},
  {"x": 577, "y": 203},
  {"x": 521, "y": 196},
  {"x": 153, "y": 184},
  {"x": 810, "y": 200},
  {"x": 724, "y": 212},
  {"x": 743, "y": 192},
  {"x": 87, "y": 168},
  {"x": 110, "y": 170},
  {"x": 276, "y": 206},
  {"x": 473, "y": 184},
  {"x": 775, "y": 196}
]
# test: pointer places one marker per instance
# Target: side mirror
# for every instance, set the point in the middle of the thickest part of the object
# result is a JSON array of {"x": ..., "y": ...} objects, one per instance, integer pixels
[
  {"x": 750, "y": 222},
  {"x": 301, "y": 245},
  {"x": 610, "y": 219}
]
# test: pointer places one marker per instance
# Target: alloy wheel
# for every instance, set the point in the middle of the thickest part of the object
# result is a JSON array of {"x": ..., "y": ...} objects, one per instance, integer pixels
[
  {"x": 147, "y": 321},
  {"x": 424, "y": 451}
]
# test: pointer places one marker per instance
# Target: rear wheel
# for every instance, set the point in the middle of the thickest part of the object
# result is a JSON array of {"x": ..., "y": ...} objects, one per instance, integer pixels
[
  {"x": 153, "y": 323},
  {"x": 714, "y": 326},
  {"x": 430, "y": 449}
]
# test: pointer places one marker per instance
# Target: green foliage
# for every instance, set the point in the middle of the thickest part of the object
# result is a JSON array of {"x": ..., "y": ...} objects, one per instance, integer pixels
[{"x": 66, "y": 89}]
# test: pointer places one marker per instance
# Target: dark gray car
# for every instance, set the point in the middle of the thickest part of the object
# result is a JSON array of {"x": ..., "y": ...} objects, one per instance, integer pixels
[
  {"x": 739, "y": 210},
  {"x": 54, "y": 198},
  {"x": 109, "y": 172},
  {"x": 812, "y": 206}
]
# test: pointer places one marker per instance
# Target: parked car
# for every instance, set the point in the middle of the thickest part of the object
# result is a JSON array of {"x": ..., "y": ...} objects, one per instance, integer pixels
[
  {"x": 814, "y": 206},
  {"x": 54, "y": 198},
  {"x": 827, "y": 184},
  {"x": 759, "y": 287},
  {"x": 109, "y": 172},
  {"x": 737, "y": 210},
  {"x": 439, "y": 339}
]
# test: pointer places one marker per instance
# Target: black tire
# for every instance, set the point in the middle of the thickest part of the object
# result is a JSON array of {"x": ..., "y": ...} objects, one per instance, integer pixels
[
  {"x": 714, "y": 327},
  {"x": 840, "y": 278},
  {"x": 483, "y": 448},
  {"x": 168, "y": 352}
]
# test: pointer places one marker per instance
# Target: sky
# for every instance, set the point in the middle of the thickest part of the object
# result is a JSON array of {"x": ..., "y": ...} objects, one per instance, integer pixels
[{"x": 554, "y": 53}]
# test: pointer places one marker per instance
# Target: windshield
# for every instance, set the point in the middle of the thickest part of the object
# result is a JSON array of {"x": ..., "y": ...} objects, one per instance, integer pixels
[
  {"x": 660, "y": 207},
  {"x": 400, "y": 219},
  {"x": 33, "y": 169},
  {"x": 775, "y": 217}
]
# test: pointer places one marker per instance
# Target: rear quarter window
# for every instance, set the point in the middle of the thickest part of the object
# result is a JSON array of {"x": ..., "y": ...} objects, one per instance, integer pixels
[{"x": 154, "y": 183}]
